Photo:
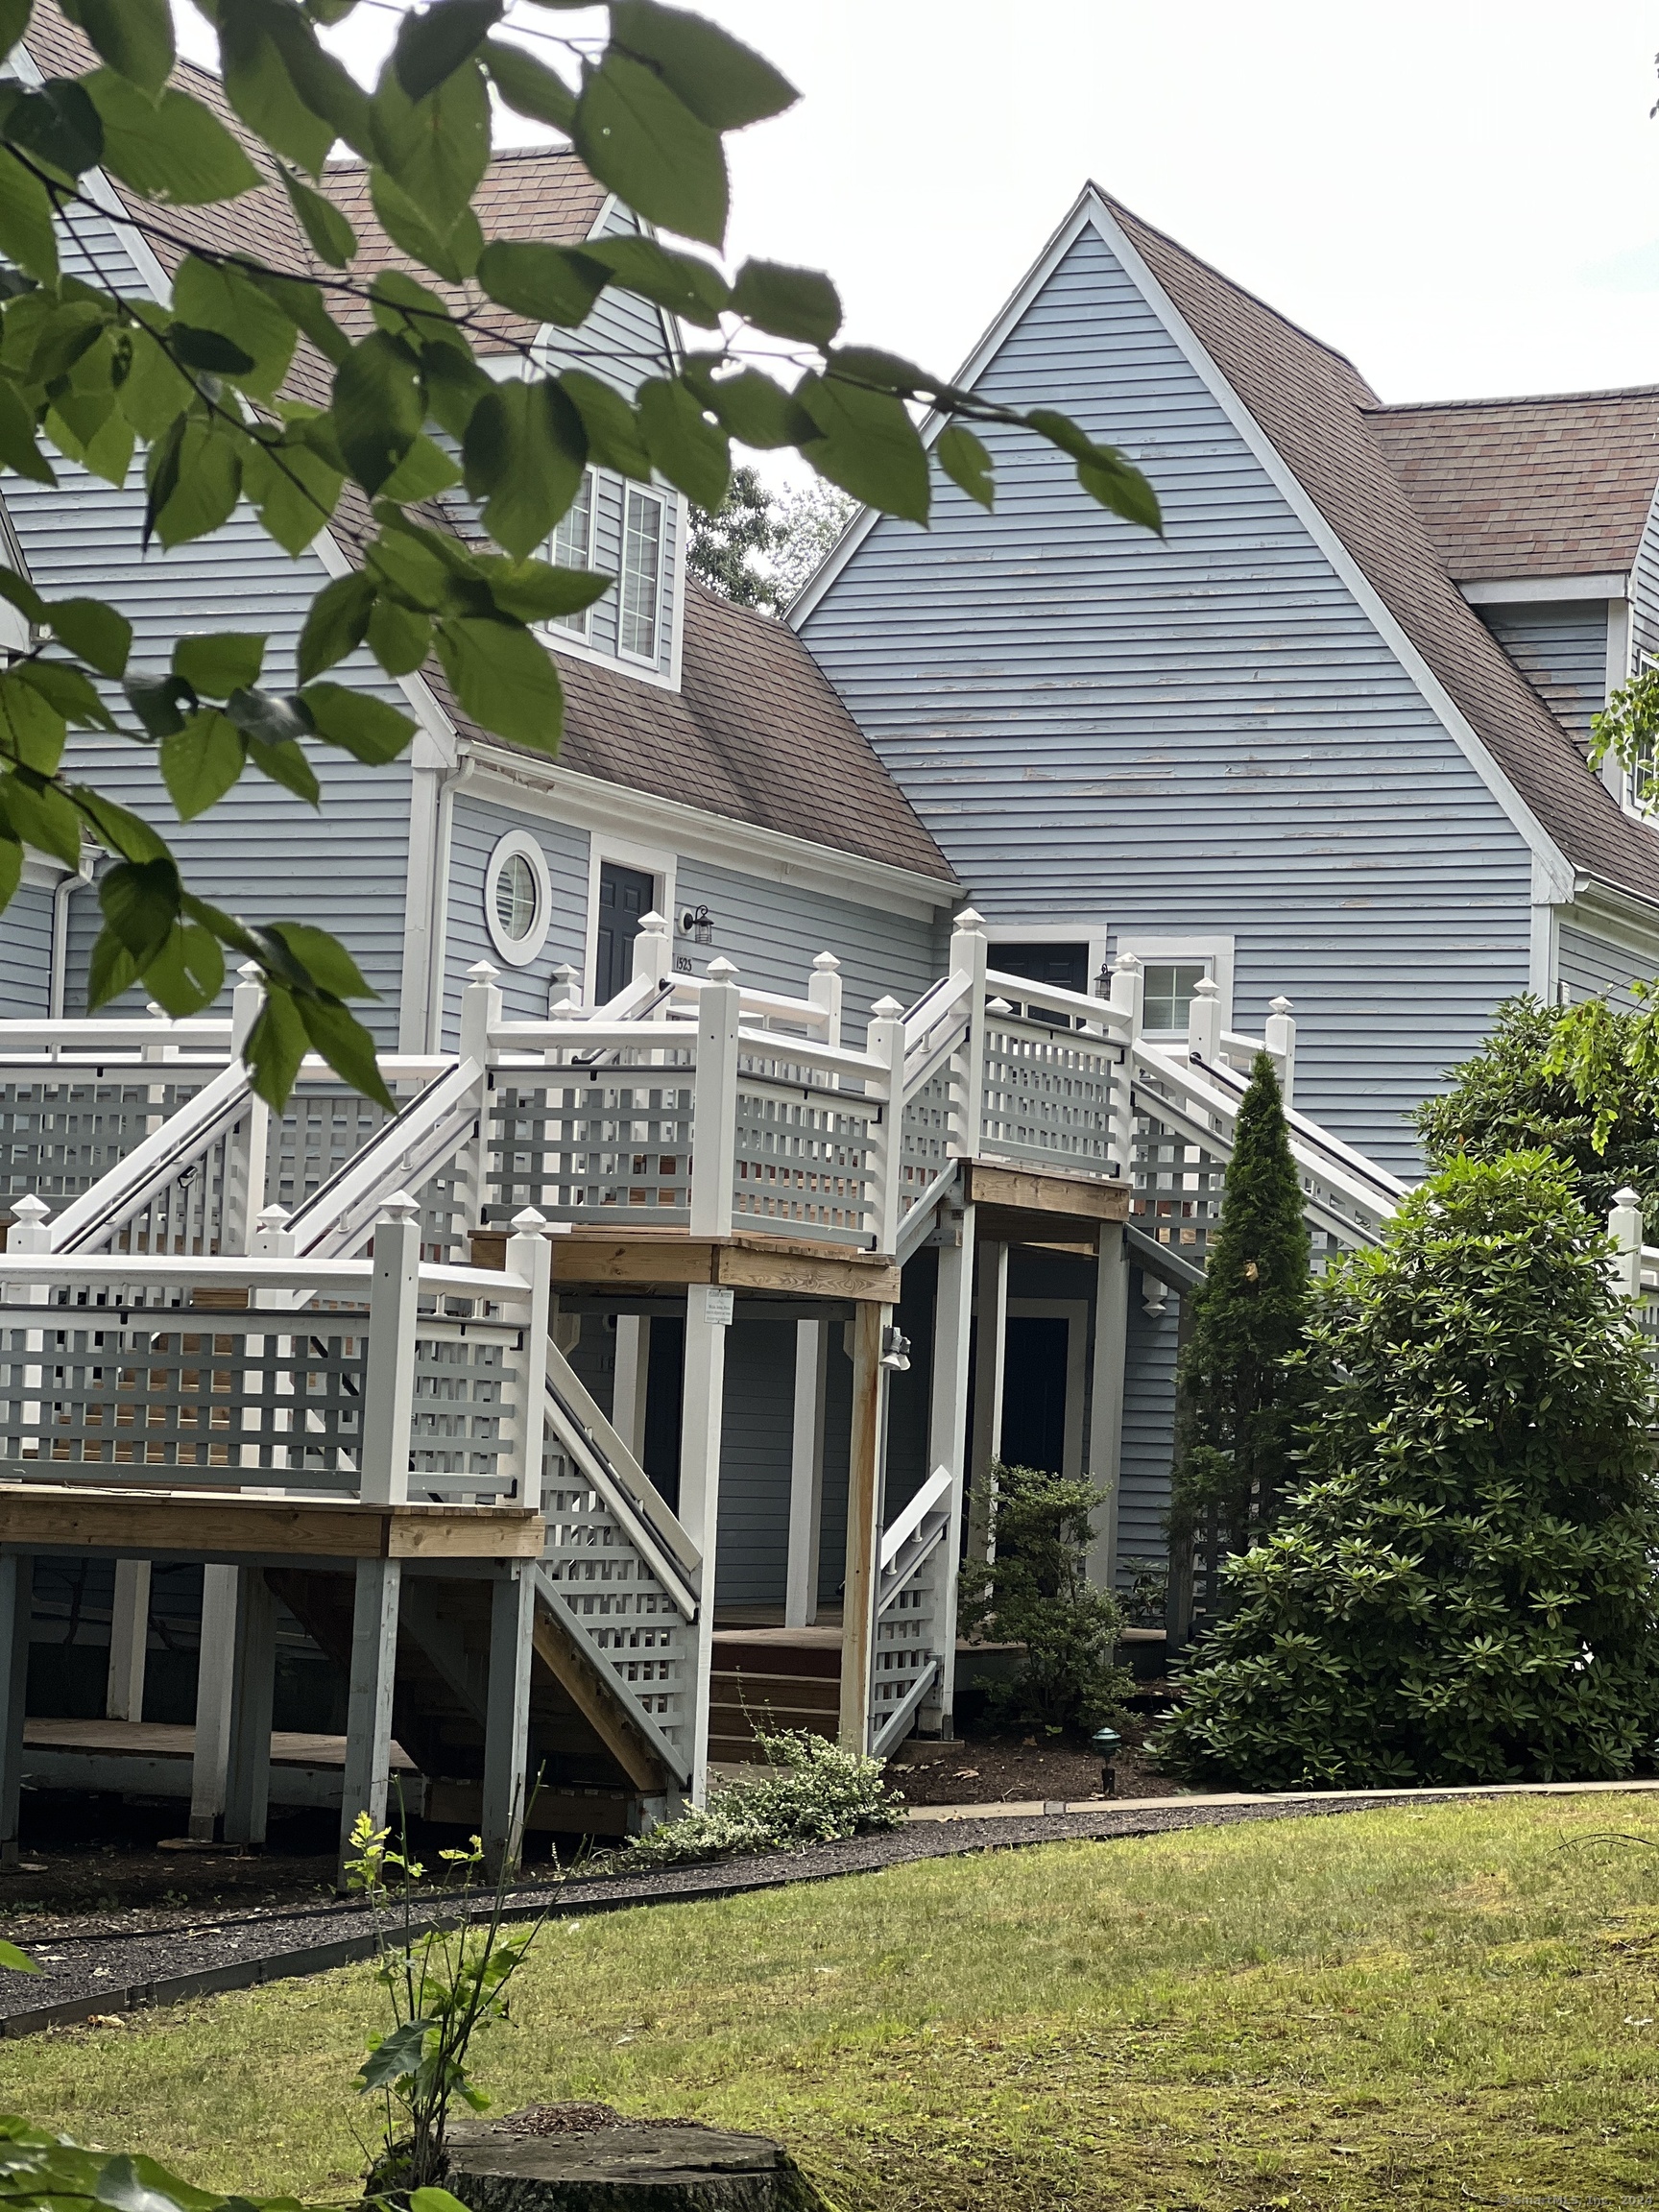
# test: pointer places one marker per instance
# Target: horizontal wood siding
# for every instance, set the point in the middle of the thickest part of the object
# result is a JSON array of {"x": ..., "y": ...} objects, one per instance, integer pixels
[
  {"x": 1148, "y": 1428},
  {"x": 755, "y": 1445},
  {"x": 1561, "y": 649},
  {"x": 1644, "y": 588},
  {"x": 26, "y": 953},
  {"x": 1591, "y": 967},
  {"x": 1197, "y": 733},
  {"x": 476, "y": 829}
]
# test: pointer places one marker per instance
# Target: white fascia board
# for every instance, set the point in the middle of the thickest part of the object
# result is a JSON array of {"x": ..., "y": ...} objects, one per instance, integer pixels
[
  {"x": 610, "y": 809},
  {"x": 1544, "y": 591},
  {"x": 1618, "y": 914}
]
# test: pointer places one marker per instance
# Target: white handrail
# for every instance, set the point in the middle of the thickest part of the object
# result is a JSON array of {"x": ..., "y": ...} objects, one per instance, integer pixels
[
  {"x": 1111, "y": 1021},
  {"x": 394, "y": 1159},
  {"x": 215, "y": 1272},
  {"x": 135, "y": 1180},
  {"x": 927, "y": 1499}
]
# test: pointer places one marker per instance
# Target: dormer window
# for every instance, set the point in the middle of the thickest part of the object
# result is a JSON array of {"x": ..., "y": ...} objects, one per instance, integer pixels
[
  {"x": 641, "y": 592},
  {"x": 573, "y": 546}
]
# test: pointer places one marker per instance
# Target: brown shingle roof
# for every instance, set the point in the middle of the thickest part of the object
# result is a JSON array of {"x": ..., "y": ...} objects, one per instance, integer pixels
[
  {"x": 1319, "y": 414},
  {"x": 1553, "y": 487}
]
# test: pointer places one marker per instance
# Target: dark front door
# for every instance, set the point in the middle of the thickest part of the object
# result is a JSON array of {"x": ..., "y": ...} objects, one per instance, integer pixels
[
  {"x": 1064, "y": 965},
  {"x": 625, "y": 893}
]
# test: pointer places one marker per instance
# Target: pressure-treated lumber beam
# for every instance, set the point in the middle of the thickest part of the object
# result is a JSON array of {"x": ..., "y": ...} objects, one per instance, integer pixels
[
  {"x": 188, "y": 1523},
  {"x": 129, "y": 1641},
  {"x": 1046, "y": 1191},
  {"x": 1106, "y": 1398}
]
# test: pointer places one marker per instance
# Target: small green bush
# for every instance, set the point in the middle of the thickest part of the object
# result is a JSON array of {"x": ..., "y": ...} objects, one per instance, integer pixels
[
  {"x": 817, "y": 1793},
  {"x": 1036, "y": 1591}
]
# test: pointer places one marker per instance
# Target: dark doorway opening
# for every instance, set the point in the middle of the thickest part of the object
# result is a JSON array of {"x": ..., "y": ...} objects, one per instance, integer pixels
[
  {"x": 664, "y": 1396},
  {"x": 625, "y": 895},
  {"x": 1034, "y": 1393}
]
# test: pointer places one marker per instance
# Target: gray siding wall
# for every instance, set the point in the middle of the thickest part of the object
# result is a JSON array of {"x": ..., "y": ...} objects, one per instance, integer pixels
[
  {"x": 1199, "y": 733},
  {"x": 1149, "y": 1427},
  {"x": 754, "y": 1547},
  {"x": 476, "y": 828},
  {"x": 1561, "y": 649},
  {"x": 1592, "y": 968},
  {"x": 26, "y": 953},
  {"x": 1644, "y": 587}
]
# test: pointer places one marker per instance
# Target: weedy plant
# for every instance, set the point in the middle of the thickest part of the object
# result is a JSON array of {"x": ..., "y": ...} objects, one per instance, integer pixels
[{"x": 816, "y": 1793}]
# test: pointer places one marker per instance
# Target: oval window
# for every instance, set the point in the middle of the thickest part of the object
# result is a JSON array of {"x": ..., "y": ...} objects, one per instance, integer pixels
[{"x": 517, "y": 898}]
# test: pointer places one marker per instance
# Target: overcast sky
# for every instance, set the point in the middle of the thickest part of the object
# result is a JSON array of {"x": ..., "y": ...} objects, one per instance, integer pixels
[{"x": 1463, "y": 196}]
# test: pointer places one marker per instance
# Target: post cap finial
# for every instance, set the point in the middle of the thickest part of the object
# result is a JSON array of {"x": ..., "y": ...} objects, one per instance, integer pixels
[
  {"x": 1206, "y": 987},
  {"x": 998, "y": 1006},
  {"x": 399, "y": 1207},
  {"x": 155, "y": 1012},
  {"x": 1280, "y": 1006},
  {"x": 827, "y": 963},
  {"x": 274, "y": 1218},
  {"x": 482, "y": 971},
  {"x": 887, "y": 1007},
  {"x": 30, "y": 1208},
  {"x": 529, "y": 1223},
  {"x": 1625, "y": 1197},
  {"x": 653, "y": 924},
  {"x": 720, "y": 969},
  {"x": 251, "y": 972},
  {"x": 968, "y": 919},
  {"x": 1126, "y": 963}
]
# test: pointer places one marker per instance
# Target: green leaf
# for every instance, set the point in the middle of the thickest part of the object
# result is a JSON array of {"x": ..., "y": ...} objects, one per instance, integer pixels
[
  {"x": 116, "y": 830},
  {"x": 719, "y": 79},
  {"x": 150, "y": 390},
  {"x": 967, "y": 463},
  {"x": 504, "y": 680},
  {"x": 323, "y": 959},
  {"x": 614, "y": 438},
  {"x": 135, "y": 37},
  {"x": 17, "y": 447},
  {"x": 868, "y": 444},
  {"x": 67, "y": 692},
  {"x": 379, "y": 407},
  {"x": 788, "y": 303},
  {"x": 27, "y": 236},
  {"x": 413, "y": 568},
  {"x": 454, "y": 386},
  {"x": 186, "y": 974},
  {"x": 11, "y": 876},
  {"x": 210, "y": 351},
  {"x": 754, "y": 408},
  {"x": 399, "y": 638},
  {"x": 58, "y": 124},
  {"x": 437, "y": 147},
  {"x": 301, "y": 301},
  {"x": 20, "y": 1961},
  {"x": 423, "y": 471},
  {"x": 276, "y": 1046},
  {"x": 111, "y": 970},
  {"x": 357, "y": 722},
  {"x": 450, "y": 249},
  {"x": 641, "y": 140},
  {"x": 205, "y": 476},
  {"x": 41, "y": 816},
  {"x": 684, "y": 445},
  {"x": 434, "y": 2200},
  {"x": 202, "y": 761},
  {"x": 293, "y": 490},
  {"x": 336, "y": 624},
  {"x": 545, "y": 283},
  {"x": 173, "y": 151},
  {"x": 1101, "y": 470},
  {"x": 285, "y": 763},
  {"x": 22, "y": 595},
  {"x": 528, "y": 87},
  {"x": 682, "y": 282},
  {"x": 437, "y": 39},
  {"x": 31, "y": 731},
  {"x": 140, "y": 903},
  {"x": 330, "y": 238},
  {"x": 260, "y": 85},
  {"x": 524, "y": 453},
  {"x": 93, "y": 632},
  {"x": 412, "y": 311},
  {"x": 156, "y": 699},
  {"x": 215, "y": 662},
  {"x": 536, "y": 592},
  {"x": 218, "y": 297},
  {"x": 349, "y": 1050}
]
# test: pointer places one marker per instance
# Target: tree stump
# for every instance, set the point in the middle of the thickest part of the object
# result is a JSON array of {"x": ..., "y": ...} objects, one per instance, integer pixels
[{"x": 588, "y": 2158}]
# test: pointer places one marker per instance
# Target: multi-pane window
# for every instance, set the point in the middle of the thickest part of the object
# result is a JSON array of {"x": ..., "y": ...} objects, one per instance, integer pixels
[
  {"x": 641, "y": 593},
  {"x": 1169, "y": 985},
  {"x": 573, "y": 546}
]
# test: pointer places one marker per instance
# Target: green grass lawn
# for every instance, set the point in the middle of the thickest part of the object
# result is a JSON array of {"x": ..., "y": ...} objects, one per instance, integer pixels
[{"x": 1400, "y": 2007}]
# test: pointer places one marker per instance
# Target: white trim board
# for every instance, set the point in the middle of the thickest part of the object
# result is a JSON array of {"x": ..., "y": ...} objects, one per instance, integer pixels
[
  {"x": 655, "y": 860},
  {"x": 1217, "y": 945},
  {"x": 1542, "y": 590},
  {"x": 1090, "y": 212}
]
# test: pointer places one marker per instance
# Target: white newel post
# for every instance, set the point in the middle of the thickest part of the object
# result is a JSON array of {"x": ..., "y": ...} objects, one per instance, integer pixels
[
  {"x": 529, "y": 1257},
  {"x": 1204, "y": 1022},
  {"x": 807, "y": 1474},
  {"x": 653, "y": 950},
  {"x": 389, "y": 1371},
  {"x": 565, "y": 991},
  {"x": 251, "y": 1148},
  {"x": 884, "y": 1043},
  {"x": 708, "y": 1312},
  {"x": 969, "y": 955},
  {"x": 1625, "y": 1227},
  {"x": 1128, "y": 998},
  {"x": 714, "y": 1130},
  {"x": 129, "y": 1641},
  {"x": 480, "y": 1018},
  {"x": 1280, "y": 1039},
  {"x": 824, "y": 990}
]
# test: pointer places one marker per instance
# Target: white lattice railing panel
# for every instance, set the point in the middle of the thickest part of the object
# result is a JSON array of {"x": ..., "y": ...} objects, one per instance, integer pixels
[
  {"x": 201, "y": 1209},
  {"x": 323, "y": 1126},
  {"x": 470, "y": 1389},
  {"x": 59, "y": 1135},
  {"x": 806, "y": 1156},
  {"x": 1048, "y": 1095},
  {"x": 579, "y": 1147},
  {"x": 929, "y": 1123}
]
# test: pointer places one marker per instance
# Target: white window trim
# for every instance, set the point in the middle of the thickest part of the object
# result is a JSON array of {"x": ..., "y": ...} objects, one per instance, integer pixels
[
  {"x": 520, "y": 952},
  {"x": 567, "y": 627},
  {"x": 1216, "y": 949},
  {"x": 656, "y": 861},
  {"x": 652, "y": 658},
  {"x": 1061, "y": 930}
]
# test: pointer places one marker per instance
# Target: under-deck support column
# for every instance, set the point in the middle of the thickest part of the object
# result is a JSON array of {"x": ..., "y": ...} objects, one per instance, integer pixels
[
  {"x": 707, "y": 1317},
  {"x": 368, "y": 1709},
  {"x": 628, "y": 1390},
  {"x": 948, "y": 1442},
  {"x": 863, "y": 1524},
  {"x": 807, "y": 1474},
  {"x": 129, "y": 1641},
  {"x": 990, "y": 1361},
  {"x": 252, "y": 1687},
  {"x": 1106, "y": 1394},
  {"x": 215, "y": 1671},
  {"x": 16, "y": 1613},
  {"x": 507, "y": 1717}
]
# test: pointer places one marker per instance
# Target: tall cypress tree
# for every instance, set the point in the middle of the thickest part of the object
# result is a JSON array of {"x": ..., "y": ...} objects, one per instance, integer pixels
[{"x": 1236, "y": 1403}]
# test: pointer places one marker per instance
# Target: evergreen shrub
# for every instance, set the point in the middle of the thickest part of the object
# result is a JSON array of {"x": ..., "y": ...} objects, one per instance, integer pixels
[{"x": 1462, "y": 1590}]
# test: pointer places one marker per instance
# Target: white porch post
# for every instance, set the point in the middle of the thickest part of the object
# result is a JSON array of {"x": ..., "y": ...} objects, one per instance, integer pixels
[
  {"x": 629, "y": 1388},
  {"x": 16, "y": 1613},
  {"x": 807, "y": 1474},
  {"x": 507, "y": 1717},
  {"x": 252, "y": 1686},
  {"x": 859, "y": 1597},
  {"x": 990, "y": 1353},
  {"x": 1106, "y": 1394},
  {"x": 707, "y": 1317},
  {"x": 215, "y": 1674},
  {"x": 1279, "y": 1038},
  {"x": 389, "y": 1370},
  {"x": 947, "y": 1444},
  {"x": 129, "y": 1641},
  {"x": 368, "y": 1705}
]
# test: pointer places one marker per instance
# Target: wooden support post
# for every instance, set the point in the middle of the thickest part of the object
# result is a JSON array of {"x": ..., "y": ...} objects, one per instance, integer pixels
[
  {"x": 807, "y": 1474},
  {"x": 707, "y": 1317},
  {"x": 215, "y": 1671},
  {"x": 947, "y": 1444},
  {"x": 990, "y": 1353},
  {"x": 628, "y": 1389},
  {"x": 389, "y": 1370},
  {"x": 1106, "y": 1395},
  {"x": 863, "y": 1526},
  {"x": 129, "y": 1641},
  {"x": 252, "y": 1686},
  {"x": 369, "y": 1704},
  {"x": 507, "y": 1719},
  {"x": 16, "y": 1614}
]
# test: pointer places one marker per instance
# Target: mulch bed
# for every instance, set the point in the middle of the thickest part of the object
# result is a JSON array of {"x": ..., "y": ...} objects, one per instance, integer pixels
[{"x": 1017, "y": 1770}]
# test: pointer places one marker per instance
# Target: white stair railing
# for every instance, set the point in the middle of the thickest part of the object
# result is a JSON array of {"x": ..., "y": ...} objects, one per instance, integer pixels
[{"x": 909, "y": 1617}]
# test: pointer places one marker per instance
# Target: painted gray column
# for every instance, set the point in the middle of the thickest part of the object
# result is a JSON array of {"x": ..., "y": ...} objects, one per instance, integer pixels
[
  {"x": 507, "y": 1717},
  {"x": 707, "y": 1317},
  {"x": 368, "y": 1709},
  {"x": 860, "y": 1593},
  {"x": 948, "y": 1442},
  {"x": 1106, "y": 1395},
  {"x": 807, "y": 1474},
  {"x": 129, "y": 1641},
  {"x": 215, "y": 1672},
  {"x": 252, "y": 1686},
  {"x": 17, "y": 1612},
  {"x": 989, "y": 1357}
]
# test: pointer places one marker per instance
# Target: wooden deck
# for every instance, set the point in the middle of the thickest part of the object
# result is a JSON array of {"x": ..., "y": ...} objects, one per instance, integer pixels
[
  {"x": 152, "y": 1759},
  {"x": 222, "y": 1524}
]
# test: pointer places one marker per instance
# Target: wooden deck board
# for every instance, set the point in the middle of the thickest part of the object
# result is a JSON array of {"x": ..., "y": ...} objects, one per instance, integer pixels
[
  {"x": 75, "y": 1517},
  {"x": 167, "y": 1739}
]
